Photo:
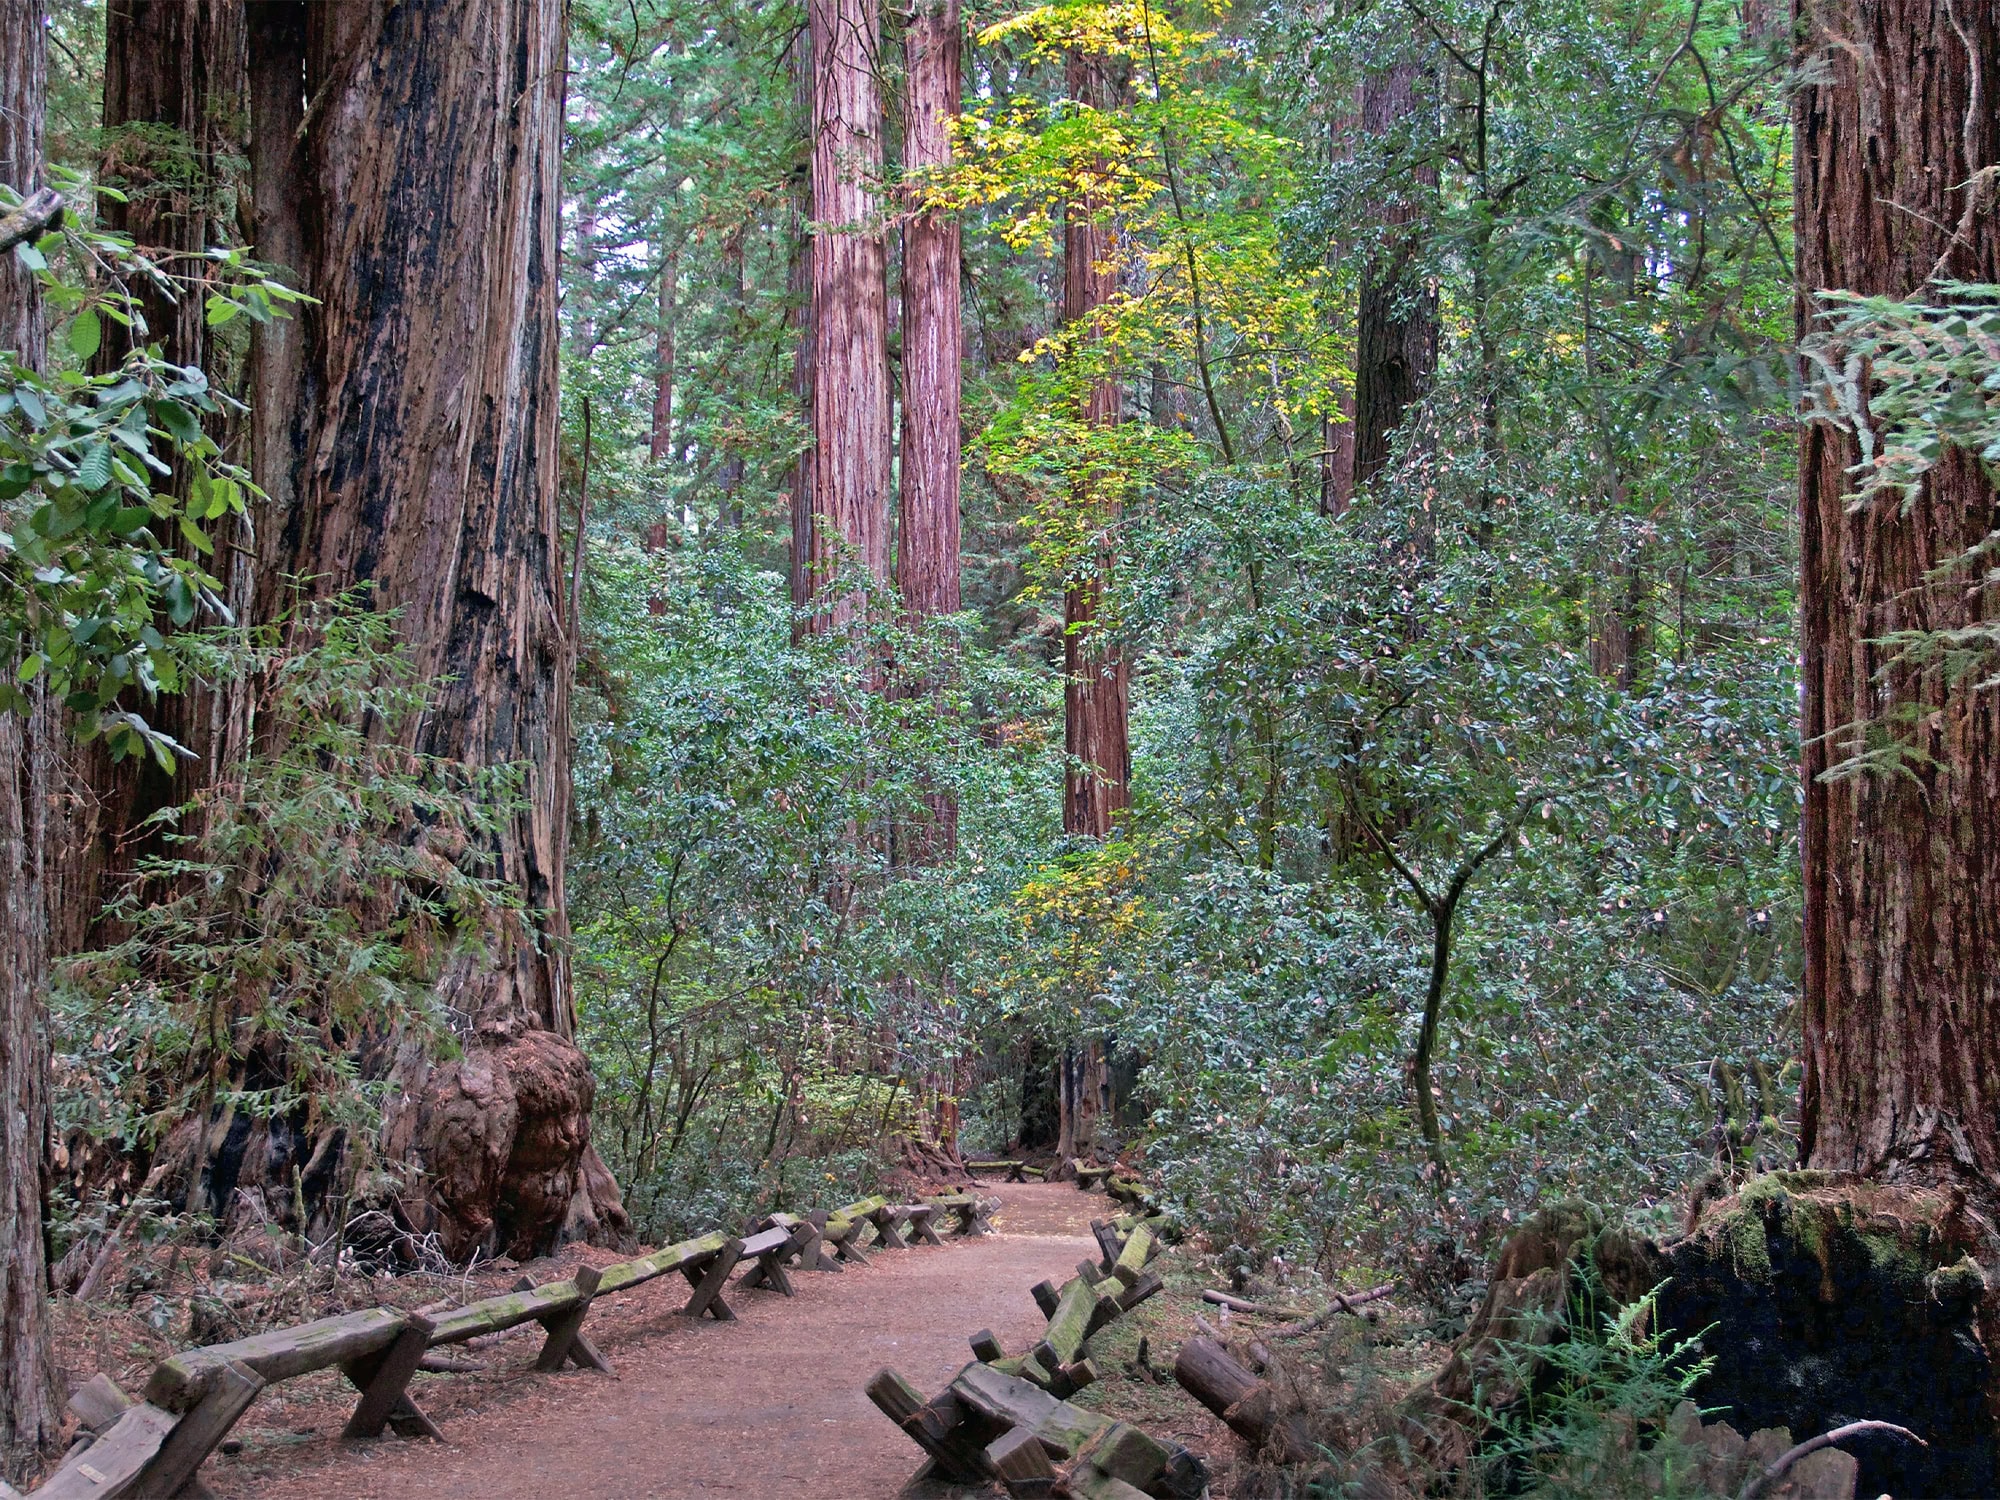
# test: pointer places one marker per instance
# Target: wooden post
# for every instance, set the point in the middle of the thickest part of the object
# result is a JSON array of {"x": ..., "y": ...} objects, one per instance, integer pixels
[
  {"x": 1069, "y": 1325},
  {"x": 1132, "y": 1258},
  {"x": 1022, "y": 1463},
  {"x": 1046, "y": 1297},
  {"x": 708, "y": 1284},
  {"x": 939, "y": 1427},
  {"x": 383, "y": 1377},
  {"x": 198, "y": 1433},
  {"x": 565, "y": 1328},
  {"x": 986, "y": 1346}
]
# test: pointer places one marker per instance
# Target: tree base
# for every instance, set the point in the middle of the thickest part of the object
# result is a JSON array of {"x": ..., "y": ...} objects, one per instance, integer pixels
[{"x": 1835, "y": 1300}]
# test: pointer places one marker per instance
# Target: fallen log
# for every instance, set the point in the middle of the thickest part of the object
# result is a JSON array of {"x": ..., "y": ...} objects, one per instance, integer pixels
[
  {"x": 1343, "y": 1302},
  {"x": 1247, "y": 1404}
]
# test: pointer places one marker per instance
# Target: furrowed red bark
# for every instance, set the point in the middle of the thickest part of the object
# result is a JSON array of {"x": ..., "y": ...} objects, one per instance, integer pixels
[
  {"x": 30, "y": 1417},
  {"x": 1897, "y": 138},
  {"x": 927, "y": 525},
  {"x": 1396, "y": 335},
  {"x": 849, "y": 520},
  {"x": 173, "y": 73},
  {"x": 1096, "y": 693},
  {"x": 928, "y": 497},
  {"x": 425, "y": 204}
]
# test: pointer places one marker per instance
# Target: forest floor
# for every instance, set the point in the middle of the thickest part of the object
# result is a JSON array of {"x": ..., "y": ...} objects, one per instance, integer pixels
[{"x": 770, "y": 1403}]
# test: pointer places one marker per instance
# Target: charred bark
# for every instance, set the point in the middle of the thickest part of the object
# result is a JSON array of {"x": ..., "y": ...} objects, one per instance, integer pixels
[
  {"x": 849, "y": 520},
  {"x": 30, "y": 1418},
  {"x": 1897, "y": 141},
  {"x": 1096, "y": 676}
]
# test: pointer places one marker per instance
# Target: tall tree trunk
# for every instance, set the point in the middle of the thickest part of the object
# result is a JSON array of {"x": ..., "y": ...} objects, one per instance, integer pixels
[
  {"x": 805, "y": 349},
  {"x": 1096, "y": 678},
  {"x": 849, "y": 522},
  {"x": 1396, "y": 336},
  {"x": 1096, "y": 692},
  {"x": 173, "y": 73},
  {"x": 427, "y": 206},
  {"x": 661, "y": 447},
  {"x": 1898, "y": 136},
  {"x": 928, "y": 498},
  {"x": 30, "y": 1419},
  {"x": 736, "y": 292},
  {"x": 927, "y": 526}
]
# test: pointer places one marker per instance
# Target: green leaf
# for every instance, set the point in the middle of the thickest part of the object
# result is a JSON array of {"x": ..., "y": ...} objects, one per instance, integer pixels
[
  {"x": 221, "y": 310},
  {"x": 30, "y": 257},
  {"x": 196, "y": 538},
  {"x": 86, "y": 334},
  {"x": 30, "y": 669}
]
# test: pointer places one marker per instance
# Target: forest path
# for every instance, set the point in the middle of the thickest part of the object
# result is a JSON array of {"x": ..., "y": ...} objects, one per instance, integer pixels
[{"x": 769, "y": 1404}]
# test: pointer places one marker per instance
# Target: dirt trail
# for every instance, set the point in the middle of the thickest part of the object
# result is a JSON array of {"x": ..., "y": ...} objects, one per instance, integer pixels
[{"x": 769, "y": 1404}]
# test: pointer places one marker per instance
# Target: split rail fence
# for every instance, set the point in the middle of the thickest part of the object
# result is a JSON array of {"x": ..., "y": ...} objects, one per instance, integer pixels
[
  {"x": 151, "y": 1448},
  {"x": 1005, "y": 1416}
]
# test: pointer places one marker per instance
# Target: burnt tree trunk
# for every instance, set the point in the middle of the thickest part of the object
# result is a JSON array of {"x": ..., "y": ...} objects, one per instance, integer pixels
[
  {"x": 1396, "y": 334},
  {"x": 1897, "y": 139},
  {"x": 30, "y": 1418},
  {"x": 425, "y": 201},
  {"x": 848, "y": 526},
  {"x": 1096, "y": 677}
]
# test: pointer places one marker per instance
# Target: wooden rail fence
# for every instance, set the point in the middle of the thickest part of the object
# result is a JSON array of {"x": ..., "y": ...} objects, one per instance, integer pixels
[
  {"x": 1005, "y": 1417},
  {"x": 150, "y": 1449}
]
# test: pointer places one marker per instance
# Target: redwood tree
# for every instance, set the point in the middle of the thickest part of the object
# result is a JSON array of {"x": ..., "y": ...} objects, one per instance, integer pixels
[
  {"x": 848, "y": 523},
  {"x": 1096, "y": 693},
  {"x": 30, "y": 1419},
  {"x": 1396, "y": 334},
  {"x": 424, "y": 208},
  {"x": 1096, "y": 676},
  {"x": 928, "y": 495},
  {"x": 1898, "y": 139}
]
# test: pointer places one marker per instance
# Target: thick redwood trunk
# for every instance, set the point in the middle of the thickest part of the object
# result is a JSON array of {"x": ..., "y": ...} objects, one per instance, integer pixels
[
  {"x": 1096, "y": 693},
  {"x": 1396, "y": 333},
  {"x": 425, "y": 203},
  {"x": 30, "y": 1419},
  {"x": 927, "y": 517},
  {"x": 805, "y": 349},
  {"x": 172, "y": 87},
  {"x": 1902, "y": 872},
  {"x": 849, "y": 520},
  {"x": 927, "y": 522}
]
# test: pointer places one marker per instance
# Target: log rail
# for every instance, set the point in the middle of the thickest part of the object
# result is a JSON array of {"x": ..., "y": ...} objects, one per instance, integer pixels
[{"x": 150, "y": 1449}]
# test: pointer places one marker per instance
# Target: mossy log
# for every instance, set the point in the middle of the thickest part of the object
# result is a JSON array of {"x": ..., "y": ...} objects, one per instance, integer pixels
[
  {"x": 180, "y": 1383},
  {"x": 1069, "y": 1325},
  {"x": 1138, "y": 1249},
  {"x": 631, "y": 1273}
]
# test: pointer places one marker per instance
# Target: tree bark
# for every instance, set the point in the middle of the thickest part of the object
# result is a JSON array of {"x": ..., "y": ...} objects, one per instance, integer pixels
[
  {"x": 849, "y": 520},
  {"x": 928, "y": 498},
  {"x": 1897, "y": 138},
  {"x": 805, "y": 349},
  {"x": 426, "y": 203},
  {"x": 1396, "y": 336},
  {"x": 30, "y": 1418},
  {"x": 927, "y": 523},
  {"x": 1096, "y": 677},
  {"x": 173, "y": 72},
  {"x": 661, "y": 446}
]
